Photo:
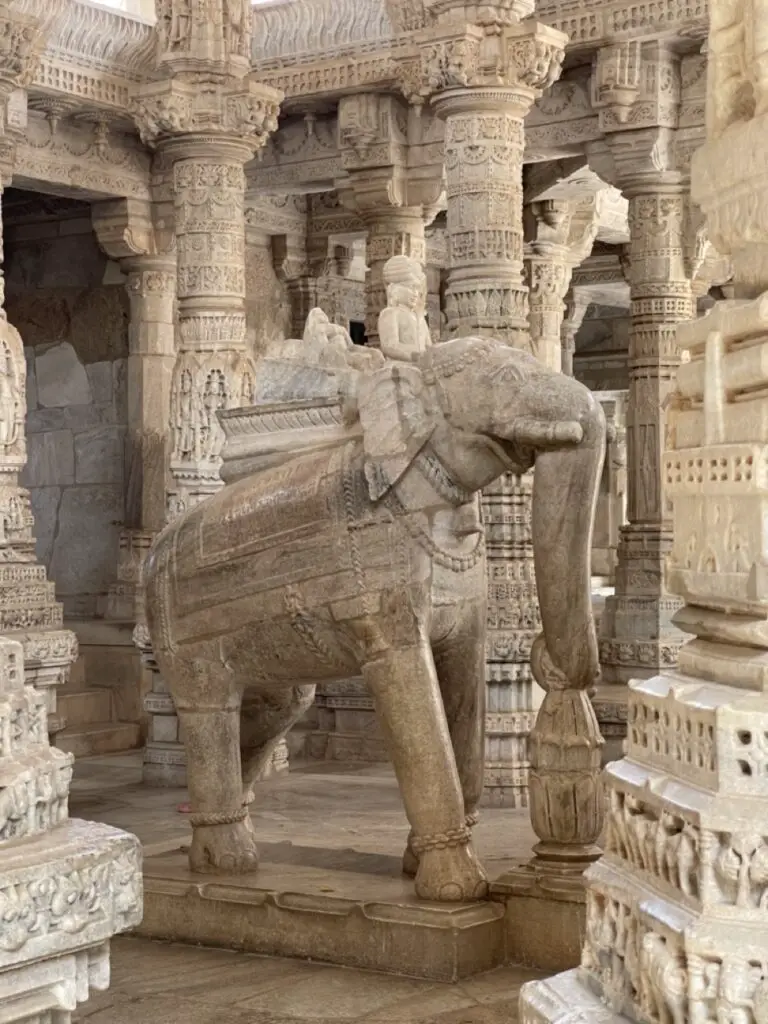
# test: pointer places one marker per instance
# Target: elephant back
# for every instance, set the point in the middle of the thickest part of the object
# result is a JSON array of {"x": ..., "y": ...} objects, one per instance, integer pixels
[{"x": 298, "y": 539}]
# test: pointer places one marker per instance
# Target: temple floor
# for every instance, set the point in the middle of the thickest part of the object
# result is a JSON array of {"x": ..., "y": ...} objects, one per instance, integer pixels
[
  {"x": 319, "y": 815},
  {"x": 166, "y": 983},
  {"x": 336, "y": 828}
]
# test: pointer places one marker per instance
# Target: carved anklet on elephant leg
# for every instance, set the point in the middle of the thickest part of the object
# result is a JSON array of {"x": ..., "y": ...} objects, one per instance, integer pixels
[
  {"x": 410, "y": 857},
  {"x": 441, "y": 840},
  {"x": 207, "y": 820}
]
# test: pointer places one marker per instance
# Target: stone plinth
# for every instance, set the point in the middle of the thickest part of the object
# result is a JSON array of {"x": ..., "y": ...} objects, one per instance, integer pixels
[
  {"x": 66, "y": 886},
  {"x": 339, "y": 912}
]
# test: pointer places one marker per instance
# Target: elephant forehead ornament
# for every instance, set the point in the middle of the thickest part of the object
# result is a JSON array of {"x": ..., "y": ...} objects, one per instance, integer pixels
[{"x": 355, "y": 548}]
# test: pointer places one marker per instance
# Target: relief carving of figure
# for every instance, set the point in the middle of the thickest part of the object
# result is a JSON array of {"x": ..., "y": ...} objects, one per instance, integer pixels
[
  {"x": 236, "y": 27},
  {"x": 179, "y": 36},
  {"x": 367, "y": 558},
  {"x": 185, "y": 419},
  {"x": 403, "y": 330}
]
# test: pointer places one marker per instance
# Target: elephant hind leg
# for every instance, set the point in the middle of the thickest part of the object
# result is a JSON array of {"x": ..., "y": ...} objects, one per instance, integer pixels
[
  {"x": 207, "y": 698},
  {"x": 266, "y": 719}
]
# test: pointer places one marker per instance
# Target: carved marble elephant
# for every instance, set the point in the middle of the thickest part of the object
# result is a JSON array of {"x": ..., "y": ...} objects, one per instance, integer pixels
[{"x": 369, "y": 558}]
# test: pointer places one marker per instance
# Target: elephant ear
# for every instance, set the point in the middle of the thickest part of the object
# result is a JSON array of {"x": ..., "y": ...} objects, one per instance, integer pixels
[{"x": 396, "y": 424}]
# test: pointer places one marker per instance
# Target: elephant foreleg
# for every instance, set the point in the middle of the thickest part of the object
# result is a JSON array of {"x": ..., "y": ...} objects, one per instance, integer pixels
[
  {"x": 406, "y": 694},
  {"x": 266, "y": 719},
  {"x": 460, "y": 664}
]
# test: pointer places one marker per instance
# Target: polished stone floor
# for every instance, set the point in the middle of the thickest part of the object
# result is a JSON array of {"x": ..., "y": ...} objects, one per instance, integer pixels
[
  {"x": 337, "y": 826},
  {"x": 318, "y": 813},
  {"x": 158, "y": 983}
]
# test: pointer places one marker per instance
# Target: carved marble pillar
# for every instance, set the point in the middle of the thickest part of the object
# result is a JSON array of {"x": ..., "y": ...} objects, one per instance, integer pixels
[
  {"x": 205, "y": 136},
  {"x": 637, "y": 634},
  {"x": 437, "y": 261},
  {"x": 611, "y": 510},
  {"x": 486, "y": 295},
  {"x": 548, "y": 274},
  {"x": 576, "y": 305},
  {"x": 66, "y": 887},
  {"x": 152, "y": 290},
  {"x": 299, "y": 273}
]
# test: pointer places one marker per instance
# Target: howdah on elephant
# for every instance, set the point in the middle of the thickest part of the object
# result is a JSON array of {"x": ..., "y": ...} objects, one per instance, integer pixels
[{"x": 368, "y": 558}]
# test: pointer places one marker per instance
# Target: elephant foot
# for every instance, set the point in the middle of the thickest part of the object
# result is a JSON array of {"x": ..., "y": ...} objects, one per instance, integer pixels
[
  {"x": 411, "y": 858},
  {"x": 450, "y": 874},
  {"x": 225, "y": 849}
]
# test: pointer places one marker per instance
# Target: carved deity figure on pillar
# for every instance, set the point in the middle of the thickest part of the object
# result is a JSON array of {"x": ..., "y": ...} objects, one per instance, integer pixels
[{"x": 403, "y": 330}]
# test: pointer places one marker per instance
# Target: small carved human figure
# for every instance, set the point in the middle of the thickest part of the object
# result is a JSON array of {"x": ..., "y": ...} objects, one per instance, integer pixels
[
  {"x": 235, "y": 27},
  {"x": 185, "y": 420},
  {"x": 181, "y": 16},
  {"x": 403, "y": 330},
  {"x": 214, "y": 398}
]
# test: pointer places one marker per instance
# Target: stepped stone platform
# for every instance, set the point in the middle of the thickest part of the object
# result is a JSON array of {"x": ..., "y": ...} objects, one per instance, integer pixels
[{"x": 329, "y": 887}]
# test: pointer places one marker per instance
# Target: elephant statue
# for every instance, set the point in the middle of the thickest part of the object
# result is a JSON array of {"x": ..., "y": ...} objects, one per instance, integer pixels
[{"x": 367, "y": 557}]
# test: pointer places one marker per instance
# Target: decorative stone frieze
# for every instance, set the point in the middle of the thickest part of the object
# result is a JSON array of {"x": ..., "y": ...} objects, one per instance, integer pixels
[
  {"x": 88, "y": 157},
  {"x": 304, "y": 152}
]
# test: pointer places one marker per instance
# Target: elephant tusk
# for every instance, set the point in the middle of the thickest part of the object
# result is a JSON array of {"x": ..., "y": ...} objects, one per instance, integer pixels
[{"x": 539, "y": 434}]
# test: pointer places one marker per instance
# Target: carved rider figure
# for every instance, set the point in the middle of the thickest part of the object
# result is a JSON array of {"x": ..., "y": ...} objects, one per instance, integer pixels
[{"x": 403, "y": 330}]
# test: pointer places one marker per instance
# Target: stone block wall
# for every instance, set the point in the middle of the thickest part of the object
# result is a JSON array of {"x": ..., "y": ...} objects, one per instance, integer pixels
[{"x": 69, "y": 304}]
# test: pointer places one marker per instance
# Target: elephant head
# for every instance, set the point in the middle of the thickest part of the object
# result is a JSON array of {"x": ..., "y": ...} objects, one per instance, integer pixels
[{"x": 484, "y": 409}]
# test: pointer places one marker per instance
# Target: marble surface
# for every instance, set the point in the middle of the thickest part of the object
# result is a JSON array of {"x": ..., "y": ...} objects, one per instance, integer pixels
[
  {"x": 324, "y": 809},
  {"x": 166, "y": 983}
]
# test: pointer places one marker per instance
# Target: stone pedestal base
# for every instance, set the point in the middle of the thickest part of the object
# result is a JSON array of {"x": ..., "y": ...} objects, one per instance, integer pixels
[
  {"x": 342, "y": 913},
  {"x": 564, "y": 998},
  {"x": 544, "y": 918},
  {"x": 67, "y": 892}
]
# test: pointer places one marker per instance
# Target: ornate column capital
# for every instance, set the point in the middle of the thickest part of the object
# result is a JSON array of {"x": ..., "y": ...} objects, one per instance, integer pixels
[
  {"x": 178, "y": 112},
  {"x": 511, "y": 65}
]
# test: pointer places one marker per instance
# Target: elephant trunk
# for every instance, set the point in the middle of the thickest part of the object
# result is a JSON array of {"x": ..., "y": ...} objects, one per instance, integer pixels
[{"x": 565, "y": 484}]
